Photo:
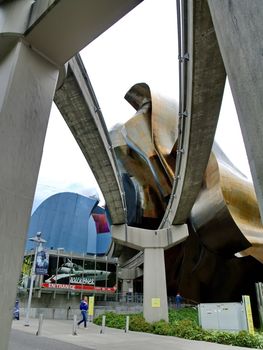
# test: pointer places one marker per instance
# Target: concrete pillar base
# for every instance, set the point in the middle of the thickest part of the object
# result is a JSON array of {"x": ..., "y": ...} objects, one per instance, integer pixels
[
  {"x": 127, "y": 286},
  {"x": 240, "y": 42},
  {"x": 27, "y": 88},
  {"x": 153, "y": 242},
  {"x": 155, "y": 306}
]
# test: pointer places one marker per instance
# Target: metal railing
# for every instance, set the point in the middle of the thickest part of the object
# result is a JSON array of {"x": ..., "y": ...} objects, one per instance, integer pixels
[{"x": 137, "y": 298}]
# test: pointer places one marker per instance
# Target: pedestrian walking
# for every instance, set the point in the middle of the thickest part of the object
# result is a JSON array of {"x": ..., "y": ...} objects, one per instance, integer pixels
[
  {"x": 16, "y": 311},
  {"x": 84, "y": 306},
  {"x": 178, "y": 300}
]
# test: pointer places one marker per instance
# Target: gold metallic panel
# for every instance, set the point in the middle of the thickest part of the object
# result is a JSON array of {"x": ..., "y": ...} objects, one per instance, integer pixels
[{"x": 225, "y": 215}]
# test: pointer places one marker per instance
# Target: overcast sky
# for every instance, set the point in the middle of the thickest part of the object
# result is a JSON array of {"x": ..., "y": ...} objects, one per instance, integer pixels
[{"x": 141, "y": 47}]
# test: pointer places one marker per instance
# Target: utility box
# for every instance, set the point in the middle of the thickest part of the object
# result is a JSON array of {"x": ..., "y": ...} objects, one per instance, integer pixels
[{"x": 222, "y": 316}]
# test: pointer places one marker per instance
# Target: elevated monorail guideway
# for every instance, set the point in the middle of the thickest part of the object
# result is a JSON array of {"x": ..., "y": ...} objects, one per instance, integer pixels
[
  {"x": 202, "y": 81},
  {"x": 79, "y": 107}
]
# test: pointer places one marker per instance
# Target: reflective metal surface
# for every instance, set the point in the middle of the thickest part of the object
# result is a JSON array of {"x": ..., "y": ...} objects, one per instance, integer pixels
[
  {"x": 222, "y": 258},
  {"x": 226, "y": 215},
  {"x": 145, "y": 147}
]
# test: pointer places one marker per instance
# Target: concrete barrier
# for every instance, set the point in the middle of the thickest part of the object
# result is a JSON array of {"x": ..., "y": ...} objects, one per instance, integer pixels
[{"x": 50, "y": 313}]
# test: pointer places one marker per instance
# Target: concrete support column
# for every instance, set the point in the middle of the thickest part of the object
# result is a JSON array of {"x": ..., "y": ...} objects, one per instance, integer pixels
[
  {"x": 127, "y": 276},
  {"x": 239, "y": 31},
  {"x": 153, "y": 243},
  {"x": 26, "y": 92},
  {"x": 155, "y": 306},
  {"x": 127, "y": 286}
]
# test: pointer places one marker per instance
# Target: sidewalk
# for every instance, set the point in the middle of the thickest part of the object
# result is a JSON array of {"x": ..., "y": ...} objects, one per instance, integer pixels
[{"x": 113, "y": 339}]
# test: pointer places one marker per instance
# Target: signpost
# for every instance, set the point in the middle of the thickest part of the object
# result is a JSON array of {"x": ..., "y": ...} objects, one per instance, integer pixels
[
  {"x": 39, "y": 242},
  {"x": 247, "y": 305},
  {"x": 91, "y": 308}
]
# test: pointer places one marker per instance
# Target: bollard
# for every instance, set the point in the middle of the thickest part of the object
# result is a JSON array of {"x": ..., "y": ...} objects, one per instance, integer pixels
[
  {"x": 74, "y": 329},
  {"x": 40, "y": 322},
  {"x": 103, "y": 324},
  {"x": 127, "y": 324}
]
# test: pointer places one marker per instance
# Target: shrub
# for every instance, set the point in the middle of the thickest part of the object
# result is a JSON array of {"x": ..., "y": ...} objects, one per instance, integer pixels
[
  {"x": 226, "y": 338},
  {"x": 188, "y": 329},
  {"x": 243, "y": 338},
  {"x": 187, "y": 313},
  {"x": 138, "y": 324},
  {"x": 182, "y": 324},
  {"x": 163, "y": 328},
  {"x": 113, "y": 320}
]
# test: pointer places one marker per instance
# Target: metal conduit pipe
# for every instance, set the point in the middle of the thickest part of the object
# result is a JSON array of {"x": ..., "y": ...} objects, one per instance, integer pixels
[{"x": 183, "y": 57}]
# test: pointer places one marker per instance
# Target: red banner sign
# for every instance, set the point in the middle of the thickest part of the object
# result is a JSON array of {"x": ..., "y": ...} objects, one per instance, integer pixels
[{"x": 78, "y": 287}]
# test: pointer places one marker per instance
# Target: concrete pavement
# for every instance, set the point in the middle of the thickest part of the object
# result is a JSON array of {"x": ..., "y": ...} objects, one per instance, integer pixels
[
  {"x": 23, "y": 341},
  {"x": 113, "y": 339}
]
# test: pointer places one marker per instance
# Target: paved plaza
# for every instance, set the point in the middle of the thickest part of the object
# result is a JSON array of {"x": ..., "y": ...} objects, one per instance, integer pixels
[{"x": 57, "y": 334}]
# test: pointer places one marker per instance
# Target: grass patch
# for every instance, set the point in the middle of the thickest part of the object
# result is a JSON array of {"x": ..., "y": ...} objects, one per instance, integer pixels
[{"x": 183, "y": 323}]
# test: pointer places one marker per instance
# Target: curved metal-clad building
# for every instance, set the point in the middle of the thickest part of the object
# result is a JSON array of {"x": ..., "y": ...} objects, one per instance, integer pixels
[{"x": 66, "y": 221}]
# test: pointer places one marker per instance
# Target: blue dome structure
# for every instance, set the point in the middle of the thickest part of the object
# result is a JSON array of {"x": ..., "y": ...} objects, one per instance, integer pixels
[{"x": 66, "y": 220}]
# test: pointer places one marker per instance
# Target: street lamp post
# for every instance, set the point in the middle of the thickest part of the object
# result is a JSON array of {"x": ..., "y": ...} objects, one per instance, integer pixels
[
  {"x": 117, "y": 279},
  {"x": 95, "y": 271},
  {"x": 106, "y": 278},
  {"x": 38, "y": 241},
  {"x": 58, "y": 255}
]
